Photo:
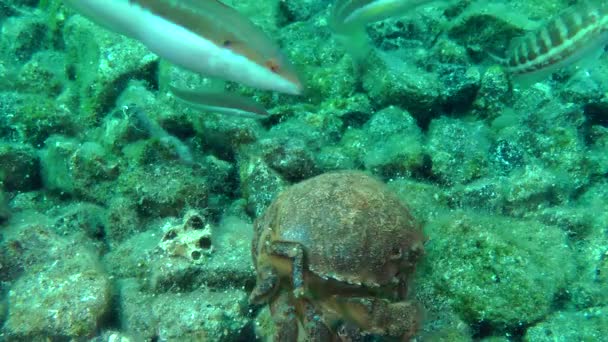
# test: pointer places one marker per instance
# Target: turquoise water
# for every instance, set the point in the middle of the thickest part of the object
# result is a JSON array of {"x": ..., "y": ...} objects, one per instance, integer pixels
[{"x": 128, "y": 215}]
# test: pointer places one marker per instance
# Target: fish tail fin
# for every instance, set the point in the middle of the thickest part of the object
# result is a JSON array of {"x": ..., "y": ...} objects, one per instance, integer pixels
[{"x": 355, "y": 42}]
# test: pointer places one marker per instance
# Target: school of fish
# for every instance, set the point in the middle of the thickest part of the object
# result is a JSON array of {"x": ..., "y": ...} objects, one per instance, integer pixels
[{"x": 215, "y": 40}]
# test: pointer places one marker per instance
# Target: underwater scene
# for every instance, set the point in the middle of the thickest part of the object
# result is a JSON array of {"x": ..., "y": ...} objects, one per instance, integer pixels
[{"x": 303, "y": 170}]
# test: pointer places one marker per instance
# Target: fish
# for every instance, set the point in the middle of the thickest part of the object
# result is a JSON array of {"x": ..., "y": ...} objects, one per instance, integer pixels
[
  {"x": 348, "y": 19},
  {"x": 576, "y": 34},
  {"x": 221, "y": 103},
  {"x": 348, "y": 13},
  {"x": 204, "y": 36}
]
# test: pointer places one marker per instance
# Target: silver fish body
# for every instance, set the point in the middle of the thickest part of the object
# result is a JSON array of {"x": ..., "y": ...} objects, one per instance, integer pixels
[{"x": 207, "y": 37}]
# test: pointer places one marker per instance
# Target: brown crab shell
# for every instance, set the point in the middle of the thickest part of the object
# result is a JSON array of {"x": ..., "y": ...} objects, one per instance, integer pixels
[{"x": 352, "y": 229}]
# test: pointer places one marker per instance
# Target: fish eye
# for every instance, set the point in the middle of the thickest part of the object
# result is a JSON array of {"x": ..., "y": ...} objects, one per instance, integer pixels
[
  {"x": 227, "y": 43},
  {"x": 273, "y": 66}
]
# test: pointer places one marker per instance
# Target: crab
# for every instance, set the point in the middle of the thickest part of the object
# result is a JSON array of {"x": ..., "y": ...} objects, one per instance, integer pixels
[{"x": 333, "y": 257}]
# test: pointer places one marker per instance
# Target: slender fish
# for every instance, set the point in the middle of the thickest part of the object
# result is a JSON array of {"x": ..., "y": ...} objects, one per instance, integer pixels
[
  {"x": 222, "y": 103},
  {"x": 204, "y": 36},
  {"x": 349, "y": 17},
  {"x": 577, "y": 33},
  {"x": 348, "y": 13}
]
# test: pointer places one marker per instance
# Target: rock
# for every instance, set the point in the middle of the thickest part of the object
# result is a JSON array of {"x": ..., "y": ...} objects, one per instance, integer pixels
[
  {"x": 32, "y": 118},
  {"x": 493, "y": 92},
  {"x": 22, "y": 37},
  {"x": 223, "y": 136},
  {"x": 390, "y": 80},
  {"x": 289, "y": 157},
  {"x": 393, "y": 144},
  {"x": 84, "y": 219},
  {"x": 582, "y": 325},
  {"x": 55, "y": 303},
  {"x": 293, "y": 10},
  {"x": 333, "y": 158},
  {"x": 201, "y": 315},
  {"x": 72, "y": 167},
  {"x": 590, "y": 287},
  {"x": 214, "y": 256},
  {"x": 259, "y": 184},
  {"x": 43, "y": 74},
  {"x": 19, "y": 168},
  {"x": 189, "y": 240},
  {"x": 426, "y": 200},
  {"x": 102, "y": 63},
  {"x": 458, "y": 150},
  {"x": 460, "y": 86},
  {"x": 57, "y": 288},
  {"x": 164, "y": 190},
  {"x": 4, "y": 210},
  {"x": 485, "y": 263},
  {"x": 122, "y": 220},
  {"x": 506, "y": 156}
]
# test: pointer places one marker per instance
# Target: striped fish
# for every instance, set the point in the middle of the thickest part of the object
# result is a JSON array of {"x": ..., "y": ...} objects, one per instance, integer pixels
[
  {"x": 204, "y": 36},
  {"x": 575, "y": 34}
]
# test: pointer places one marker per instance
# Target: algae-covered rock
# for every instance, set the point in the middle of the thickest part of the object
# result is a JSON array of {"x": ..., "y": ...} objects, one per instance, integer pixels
[
  {"x": 392, "y": 81},
  {"x": 332, "y": 158},
  {"x": 201, "y": 315},
  {"x": 460, "y": 86},
  {"x": 43, "y": 74},
  {"x": 22, "y": 37},
  {"x": 55, "y": 160},
  {"x": 73, "y": 167},
  {"x": 506, "y": 156},
  {"x": 164, "y": 190},
  {"x": 58, "y": 302},
  {"x": 35, "y": 118},
  {"x": 290, "y": 157},
  {"x": 552, "y": 134},
  {"x": 19, "y": 167},
  {"x": 259, "y": 184},
  {"x": 585, "y": 325},
  {"x": 19, "y": 4},
  {"x": 4, "y": 210},
  {"x": 85, "y": 219},
  {"x": 192, "y": 252},
  {"x": 427, "y": 201},
  {"x": 458, "y": 150},
  {"x": 172, "y": 291},
  {"x": 599, "y": 146},
  {"x": 293, "y": 10},
  {"x": 498, "y": 270},
  {"x": 222, "y": 135},
  {"x": 393, "y": 146},
  {"x": 493, "y": 92},
  {"x": 58, "y": 289},
  {"x": 102, "y": 63},
  {"x": 521, "y": 193},
  {"x": 325, "y": 69},
  {"x": 490, "y": 25},
  {"x": 590, "y": 288},
  {"x": 122, "y": 220}
]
